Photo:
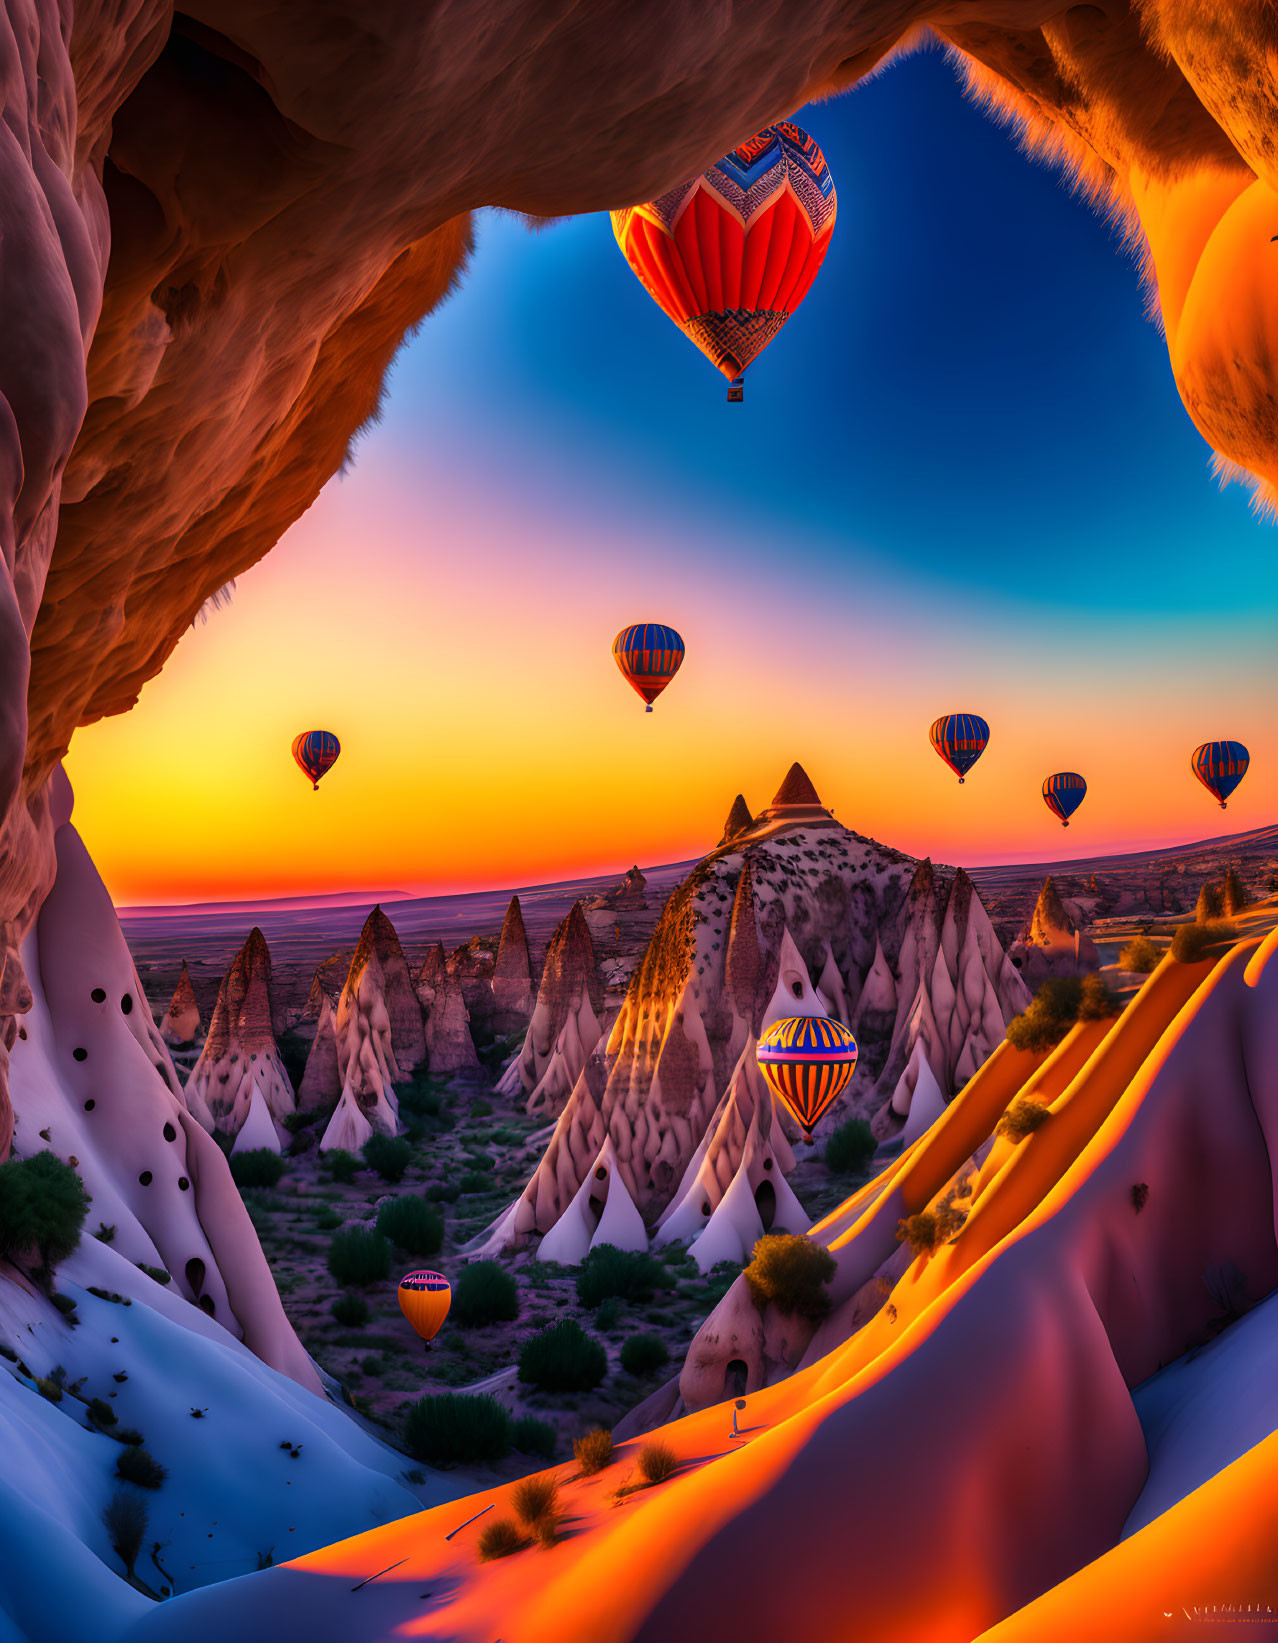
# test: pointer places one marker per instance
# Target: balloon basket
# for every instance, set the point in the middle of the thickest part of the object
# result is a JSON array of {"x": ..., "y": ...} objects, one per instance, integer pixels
[
  {"x": 648, "y": 709},
  {"x": 736, "y": 391}
]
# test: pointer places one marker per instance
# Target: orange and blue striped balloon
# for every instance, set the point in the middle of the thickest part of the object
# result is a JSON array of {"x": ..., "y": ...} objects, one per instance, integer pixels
[
  {"x": 649, "y": 654},
  {"x": 316, "y": 752},
  {"x": 424, "y": 1299},
  {"x": 807, "y": 1061},
  {"x": 960, "y": 739},
  {"x": 1220, "y": 766},
  {"x": 1063, "y": 793}
]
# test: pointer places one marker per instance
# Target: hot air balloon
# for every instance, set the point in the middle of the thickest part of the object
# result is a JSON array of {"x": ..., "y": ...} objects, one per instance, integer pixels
[
  {"x": 424, "y": 1299},
  {"x": 649, "y": 655},
  {"x": 316, "y": 752},
  {"x": 807, "y": 1060},
  {"x": 1220, "y": 766},
  {"x": 960, "y": 739},
  {"x": 1063, "y": 793},
  {"x": 729, "y": 255}
]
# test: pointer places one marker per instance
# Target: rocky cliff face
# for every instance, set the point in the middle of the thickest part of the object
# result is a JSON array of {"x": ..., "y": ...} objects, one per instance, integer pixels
[
  {"x": 240, "y": 1055},
  {"x": 181, "y": 1021},
  {"x": 567, "y": 1020},
  {"x": 799, "y": 915},
  {"x": 1053, "y": 942}
]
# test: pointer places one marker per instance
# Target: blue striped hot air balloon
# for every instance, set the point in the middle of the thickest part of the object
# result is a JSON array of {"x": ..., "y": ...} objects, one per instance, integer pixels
[
  {"x": 649, "y": 654},
  {"x": 960, "y": 739},
  {"x": 316, "y": 753},
  {"x": 807, "y": 1061},
  {"x": 1220, "y": 766},
  {"x": 1063, "y": 793}
]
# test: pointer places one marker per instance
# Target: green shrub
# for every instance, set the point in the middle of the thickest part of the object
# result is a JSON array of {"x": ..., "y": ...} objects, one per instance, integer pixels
[
  {"x": 47, "y": 1387},
  {"x": 443, "y": 1192},
  {"x": 850, "y": 1147},
  {"x": 535, "y": 1499},
  {"x": 791, "y": 1272},
  {"x": 562, "y": 1358},
  {"x": 644, "y": 1354},
  {"x": 411, "y": 1223},
  {"x": 42, "y": 1208},
  {"x": 608, "y": 1313},
  {"x": 124, "y": 1518},
  {"x": 356, "y": 1256},
  {"x": 66, "y": 1304},
  {"x": 329, "y": 1219},
  {"x": 919, "y": 1231},
  {"x": 1192, "y": 942},
  {"x": 499, "y": 1539},
  {"x": 101, "y": 1412},
  {"x": 534, "y": 1437},
  {"x": 1022, "y": 1118},
  {"x": 593, "y": 1451},
  {"x": 476, "y": 1181},
  {"x": 258, "y": 1168},
  {"x": 630, "y": 1275},
  {"x": 457, "y": 1429},
  {"x": 341, "y": 1164},
  {"x": 157, "y": 1274},
  {"x": 657, "y": 1462},
  {"x": 351, "y": 1311},
  {"x": 134, "y": 1465},
  {"x": 484, "y": 1293},
  {"x": 1139, "y": 955},
  {"x": 1058, "y": 1004},
  {"x": 389, "y": 1155},
  {"x": 1211, "y": 904}
]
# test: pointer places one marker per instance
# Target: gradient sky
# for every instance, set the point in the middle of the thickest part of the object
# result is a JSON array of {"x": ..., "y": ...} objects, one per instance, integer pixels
[{"x": 962, "y": 480}]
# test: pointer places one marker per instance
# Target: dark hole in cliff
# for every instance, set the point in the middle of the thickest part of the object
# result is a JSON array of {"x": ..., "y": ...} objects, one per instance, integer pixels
[
  {"x": 90, "y": 1104},
  {"x": 98, "y": 995},
  {"x": 601, "y": 1174},
  {"x": 79, "y": 1055},
  {"x": 145, "y": 1178},
  {"x": 767, "y": 1163},
  {"x": 183, "y": 1183},
  {"x": 594, "y": 1208},
  {"x": 170, "y": 1134},
  {"x": 22, "y": 1032},
  {"x": 735, "y": 1377},
  {"x": 126, "y": 1004},
  {"x": 765, "y": 1201},
  {"x": 797, "y": 989},
  {"x": 705, "y": 1206},
  {"x": 206, "y": 1304},
  {"x": 195, "y": 1274}
]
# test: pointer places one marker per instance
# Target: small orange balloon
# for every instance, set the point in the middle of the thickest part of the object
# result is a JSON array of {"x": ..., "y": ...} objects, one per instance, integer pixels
[{"x": 424, "y": 1299}]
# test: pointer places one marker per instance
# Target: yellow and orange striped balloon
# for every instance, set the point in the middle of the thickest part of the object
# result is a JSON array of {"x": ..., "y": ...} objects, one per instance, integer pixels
[{"x": 807, "y": 1061}]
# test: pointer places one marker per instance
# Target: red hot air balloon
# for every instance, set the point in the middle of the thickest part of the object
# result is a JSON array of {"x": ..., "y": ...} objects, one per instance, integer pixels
[
  {"x": 316, "y": 752},
  {"x": 729, "y": 255}
]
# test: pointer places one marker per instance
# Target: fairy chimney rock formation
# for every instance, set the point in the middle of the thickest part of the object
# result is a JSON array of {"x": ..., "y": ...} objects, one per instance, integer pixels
[
  {"x": 1051, "y": 943},
  {"x": 240, "y": 1052},
  {"x": 449, "y": 1046},
  {"x": 321, "y": 1081},
  {"x": 378, "y": 1030},
  {"x": 567, "y": 1020},
  {"x": 473, "y": 964},
  {"x": 739, "y": 820},
  {"x": 433, "y": 967},
  {"x": 181, "y": 1021},
  {"x": 513, "y": 995},
  {"x": 799, "y": 916}
]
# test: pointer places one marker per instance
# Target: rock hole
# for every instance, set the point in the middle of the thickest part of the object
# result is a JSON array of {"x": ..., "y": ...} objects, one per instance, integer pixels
[
  {"x": 183, "y": 1184},
  {"x": 796, "y": 987},
  {"x": 170, "y": 1134},
  {"x": 594, "y": 1208},
  {"x": 206, "y": 1304},
  {"x": 22, "y": 1032},
  {"x": 126, "y": 1004},
  {"x": 765, "y": 1201},
  {"x": 195, "y": 1274},
  {"x": 705, "y": 1206},
  {"x": 767, "y": 1163},
  {"x": 98, "y": 995},
  {"x": 601, "y": 1174},
  {"x": 90, "y": 1104},
  {"x": 735, "y": 1377},
  {"x": 79, "y": 1054},
  {"x": 145, "y": 1178}
]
